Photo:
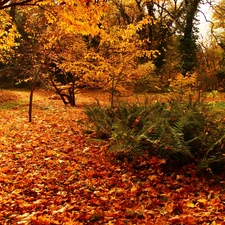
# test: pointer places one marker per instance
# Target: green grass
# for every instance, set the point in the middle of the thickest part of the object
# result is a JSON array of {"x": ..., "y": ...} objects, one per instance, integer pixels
[
  {"x": 12, "y": 105},
  {"x": 220, "y": 105},
  {"x": 10, "y": 99}
]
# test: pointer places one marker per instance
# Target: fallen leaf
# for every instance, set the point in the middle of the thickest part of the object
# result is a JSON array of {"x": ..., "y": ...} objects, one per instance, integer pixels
[{"x": 190, "y": 205}]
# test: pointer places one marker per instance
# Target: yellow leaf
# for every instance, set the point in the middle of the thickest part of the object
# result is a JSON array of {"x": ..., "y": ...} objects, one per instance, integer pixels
[
  {"x": 152, "y": 177},
  {"x": 202, "y": 200},
  {"x": 190, "y": 204},
  {"x": 133, "y": 189}
]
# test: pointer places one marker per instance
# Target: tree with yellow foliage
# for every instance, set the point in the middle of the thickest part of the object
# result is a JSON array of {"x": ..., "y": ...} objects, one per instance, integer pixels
[
  {"x": 81, "y": 40},
  {"x": 96, "y": 53},
  {"x": 111, "y": 61},
  {"x": 8, "y": 34}
]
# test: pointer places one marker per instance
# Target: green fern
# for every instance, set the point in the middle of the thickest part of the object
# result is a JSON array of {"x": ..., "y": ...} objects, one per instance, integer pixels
[
  {"x": 101, "y": 119},
  {"x": 172, "y": 130}
]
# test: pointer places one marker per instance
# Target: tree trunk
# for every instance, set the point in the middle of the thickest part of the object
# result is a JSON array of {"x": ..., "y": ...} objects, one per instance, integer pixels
[
  {"x": 73, "y": 97},
  {"x": 31, "y": 101},
  {"x": 188, "y": 45},
  {"x": 12, "y": 11},
  {"x": 32, "y": 87}
]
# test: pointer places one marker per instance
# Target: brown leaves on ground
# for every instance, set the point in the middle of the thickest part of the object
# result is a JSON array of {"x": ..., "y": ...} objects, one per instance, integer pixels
[
  {"x": 52, "y": 174},
  {"x": 6, "y": 96}
]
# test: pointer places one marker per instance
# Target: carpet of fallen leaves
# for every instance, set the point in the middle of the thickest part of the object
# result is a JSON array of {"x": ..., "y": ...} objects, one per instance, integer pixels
[{"x": 51, "y": 173}]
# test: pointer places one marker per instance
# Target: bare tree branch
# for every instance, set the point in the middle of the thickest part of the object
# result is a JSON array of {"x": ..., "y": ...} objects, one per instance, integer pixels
[{"x": 8, "y": 3}]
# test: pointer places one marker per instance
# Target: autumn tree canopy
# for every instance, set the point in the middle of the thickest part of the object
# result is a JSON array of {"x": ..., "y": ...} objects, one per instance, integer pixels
[{"x": 160, "y": 34}]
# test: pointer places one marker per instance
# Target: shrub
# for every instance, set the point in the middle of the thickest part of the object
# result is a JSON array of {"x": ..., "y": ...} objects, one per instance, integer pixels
[{"x": 174, "y": 130}]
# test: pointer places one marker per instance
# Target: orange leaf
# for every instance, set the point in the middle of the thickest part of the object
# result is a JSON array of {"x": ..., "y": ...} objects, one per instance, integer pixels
[{"x": 175, "y": 219}]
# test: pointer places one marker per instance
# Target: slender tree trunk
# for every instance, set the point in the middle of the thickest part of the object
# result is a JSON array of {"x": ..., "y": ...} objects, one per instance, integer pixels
[
  {"x": 12, "y": 12},
  {"x": 73, "y": 97},
  {"x": 32, "y": 87},
  {"x": 31, "y": 101},
  {"x": 112, "y": 92}
]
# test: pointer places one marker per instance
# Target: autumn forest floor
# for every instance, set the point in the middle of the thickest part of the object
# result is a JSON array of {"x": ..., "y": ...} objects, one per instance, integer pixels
[{"x": 51, "y": 173}]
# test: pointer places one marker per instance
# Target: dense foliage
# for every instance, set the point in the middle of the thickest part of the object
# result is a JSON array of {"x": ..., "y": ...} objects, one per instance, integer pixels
[
  {"x": 110, "y": 45},
  {"x": 174, "y": 130}
]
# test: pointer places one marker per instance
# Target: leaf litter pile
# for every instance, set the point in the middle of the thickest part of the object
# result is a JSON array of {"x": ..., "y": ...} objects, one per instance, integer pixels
[{"x": 52, "y": 174}]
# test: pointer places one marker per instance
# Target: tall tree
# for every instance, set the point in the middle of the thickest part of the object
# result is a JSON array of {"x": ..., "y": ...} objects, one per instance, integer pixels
[
  {"x": 187, "y": 43},
  {"x": 158, "y": 32},
  {"x": 113, "y": 48},
  {"x": 218, "y": 30}
]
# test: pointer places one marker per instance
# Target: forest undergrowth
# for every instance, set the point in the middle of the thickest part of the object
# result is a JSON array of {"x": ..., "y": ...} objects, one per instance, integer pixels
[{"x": 52, "y": 172}]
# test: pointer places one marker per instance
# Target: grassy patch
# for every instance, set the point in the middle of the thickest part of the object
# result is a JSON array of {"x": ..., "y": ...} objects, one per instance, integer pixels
[
  {"x": 220, "y": 105},
  {"x": 11, "y": 105},
  {"x": 9, "y": 100}
]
